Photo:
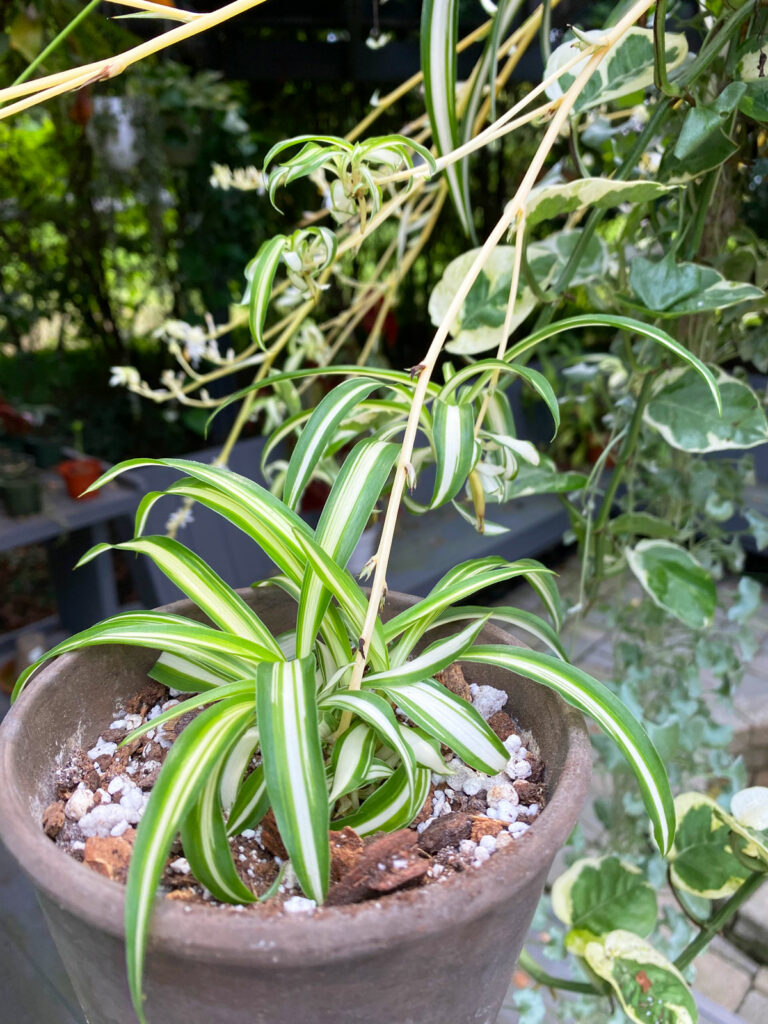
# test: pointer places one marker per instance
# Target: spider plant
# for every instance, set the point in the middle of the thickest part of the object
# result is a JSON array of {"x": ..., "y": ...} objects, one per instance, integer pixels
[{"x": 317, "y": 704}]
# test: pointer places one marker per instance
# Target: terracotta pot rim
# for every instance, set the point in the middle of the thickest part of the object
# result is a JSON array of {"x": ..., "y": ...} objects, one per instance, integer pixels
[{"x": 248, "y": 936}]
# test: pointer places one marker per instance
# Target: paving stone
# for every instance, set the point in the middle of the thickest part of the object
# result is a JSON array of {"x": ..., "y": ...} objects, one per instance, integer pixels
[
  {"x": 754, "y": 1009},
  {"x": 750, "y": 929},
  {"x": 720, "y": 980},
  {"x": 727, "y": 951},
  {"x": 761, "y": 980}
]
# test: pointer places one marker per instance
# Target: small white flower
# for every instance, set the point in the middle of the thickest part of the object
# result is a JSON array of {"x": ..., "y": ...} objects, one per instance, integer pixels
[
  {"x": 124, "y": 376},
  {"x": 195, "y": 345},
  {"x": 243, "y": 179},
  {"x": 379, "y": 39},
  {"x": 179, "y": 519}
]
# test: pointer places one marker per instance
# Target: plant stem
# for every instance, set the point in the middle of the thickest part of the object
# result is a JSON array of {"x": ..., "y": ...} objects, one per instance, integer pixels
[
  {"x": 545, "y": 31},
  {"x": 724, "y": 914},
  {"x": 528, "y": 964},
  {"x": 699, "y": 222},
  {"x": 57, "y": 41},
  {"x": 661, "y": 80},
  {"x": 510, "y": 215},
  {"x": 626, "y": 450},
  {"x": 53, "y": 85},
  {"x": 625, "y": 454}
]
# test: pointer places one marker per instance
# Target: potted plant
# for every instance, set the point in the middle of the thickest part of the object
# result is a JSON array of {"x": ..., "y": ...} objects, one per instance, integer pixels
[
  {"x": 19, "y": 483},
  {"x": 333, "y": 690},
  {"x": 81, "y": 471}
]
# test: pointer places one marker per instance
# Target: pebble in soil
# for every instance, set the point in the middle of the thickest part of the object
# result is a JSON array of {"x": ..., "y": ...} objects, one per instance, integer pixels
[{"x": 467, "y": 817}]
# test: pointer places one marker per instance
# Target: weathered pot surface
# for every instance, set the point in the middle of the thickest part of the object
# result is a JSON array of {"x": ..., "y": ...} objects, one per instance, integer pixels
[{"x": 438, "y": 955}]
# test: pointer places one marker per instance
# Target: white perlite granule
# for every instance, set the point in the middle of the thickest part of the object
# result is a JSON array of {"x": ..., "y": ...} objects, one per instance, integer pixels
[
  {"x": 102, "y": 748},
  {"x": 487, "y": 699},
  {"x": 299, "y": 905},
  {"x": 133, "y": 802},
  {"x": 513, "y": 743},
  {"x": 518, "y": 769},
  {"x": 79, "y": 803},
  {"x": 102, "y": 819},
  {"x": 180, "y": 866}
]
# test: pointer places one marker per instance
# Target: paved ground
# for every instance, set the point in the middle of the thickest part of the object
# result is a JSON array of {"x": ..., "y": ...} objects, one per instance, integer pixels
[{"x": 731, "y": 987}]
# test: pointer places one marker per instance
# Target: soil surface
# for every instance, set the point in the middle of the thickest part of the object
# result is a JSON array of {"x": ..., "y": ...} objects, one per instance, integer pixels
[{"x": 466, "y": 819}]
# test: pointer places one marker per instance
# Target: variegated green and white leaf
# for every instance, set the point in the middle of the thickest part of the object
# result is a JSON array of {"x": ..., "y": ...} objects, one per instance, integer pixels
[
  {"x": 675, "y": 581},
  {"x": 234, "y": 769},
  {"x": 466, "y": 570},
  {"x": 204, "y": 838},
  {"x": 196, "y": 754},
  {"x": 439, "y": 36},
  {"x": 400, "y": 380},
  {"x": 260, "y": 275},
  {"x": 345, "y": 515},
  {"x": 351, "y": 599},
  {"x": 485, "y": 72},
  {"x": 480, "y": 325},
  {"x": 453, "y": 440},
  {"x": 212, "y": 649},
  {"x": 484, "y": 370},
  {"x": 318, "y": 433},
  {"x": 618, "y": 323},
  {"x": 286, "y": 711},
  {"x": 649, "y": 987},
  {"x": 332, "y": 627},
  {"x": 680, "y": 412},
  {"x": 544, "y": 585},
  {"x": 391, "y": 806},
  {"x": 178, "y": 673},
  {"x": 251, "y": 803},
  {"x": 672, "y": 289},
  {"x": 596, "y": 700},
  {"x": 381, "y": 718},
  {"x": 548, "y": 201},
  {"x": 457, "y": 585},
  {"x": 596, "y": 894},
  {"x": 378, "y": 771},
  {"x": 201, "y": 584},
  {"x": 517, "y": 617},
  {"x": 351, "y": 760},
  {"x": 628, "y": 68},
  {"x": 240, "y": 688},
  {"x": 701, "y": 859},
  {"x": 434, "y": 659},
  {"x": 425, "y": 749},
  {"x": 243, "y": 502},
  {"x": 450, "y": 720}
]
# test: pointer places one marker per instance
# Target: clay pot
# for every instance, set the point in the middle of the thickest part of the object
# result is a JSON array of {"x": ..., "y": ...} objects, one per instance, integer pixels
[
  {"x": 78, "y": 475},
  {"x": 439, "y": 955}
]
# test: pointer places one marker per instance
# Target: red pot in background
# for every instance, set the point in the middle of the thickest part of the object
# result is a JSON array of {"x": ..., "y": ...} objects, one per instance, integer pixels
[{"x": 78, "y": 475}]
